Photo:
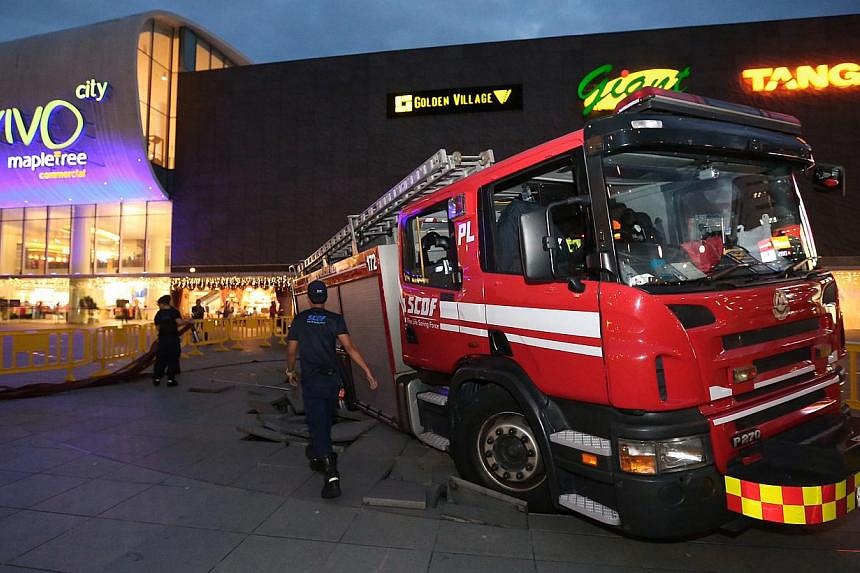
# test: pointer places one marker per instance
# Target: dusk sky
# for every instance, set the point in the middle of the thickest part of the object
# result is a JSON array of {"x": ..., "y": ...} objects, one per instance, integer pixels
[{"x": 276, "y": 30}]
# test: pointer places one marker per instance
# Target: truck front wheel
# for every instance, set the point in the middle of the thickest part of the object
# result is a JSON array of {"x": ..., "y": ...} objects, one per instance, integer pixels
[{"x": 495, "y": 446}]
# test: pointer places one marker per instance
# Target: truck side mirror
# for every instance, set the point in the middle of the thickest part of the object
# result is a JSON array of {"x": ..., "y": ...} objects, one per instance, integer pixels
[
  {"x": 828, "y": 178},
  {"x": 536, "y": 261}
]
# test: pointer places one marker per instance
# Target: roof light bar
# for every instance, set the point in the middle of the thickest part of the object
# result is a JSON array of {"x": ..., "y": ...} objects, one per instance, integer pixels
[{"x": 656, "y": 99}]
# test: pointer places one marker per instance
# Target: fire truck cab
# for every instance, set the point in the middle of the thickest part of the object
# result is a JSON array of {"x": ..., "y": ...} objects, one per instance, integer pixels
[{"x": 628, "y": 322}]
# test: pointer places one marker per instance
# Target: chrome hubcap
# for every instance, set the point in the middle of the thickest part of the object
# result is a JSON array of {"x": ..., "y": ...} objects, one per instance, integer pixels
[{"x": 509, "y": 453}]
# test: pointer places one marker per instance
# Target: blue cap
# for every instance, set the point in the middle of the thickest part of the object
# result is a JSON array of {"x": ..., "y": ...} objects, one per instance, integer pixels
[{"x": 317, "y": 292}]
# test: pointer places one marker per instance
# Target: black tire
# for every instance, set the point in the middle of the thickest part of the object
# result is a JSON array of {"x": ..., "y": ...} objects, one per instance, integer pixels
[{"x": 516, "y": 454}]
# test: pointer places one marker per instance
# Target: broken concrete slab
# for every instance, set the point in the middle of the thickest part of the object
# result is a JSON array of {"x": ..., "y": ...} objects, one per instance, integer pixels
[
  {"x": 472, "y": 503},
  {"x": 293, "y": 395},
  {"x": 430, "y": 467},
  {"x": 263, "y": 433},
  {"x": 464, "y": 492},
  {"x": 398, "y": 494},
  {"x": 500, "y": 517},
  {"x": 272, "y": 406}
]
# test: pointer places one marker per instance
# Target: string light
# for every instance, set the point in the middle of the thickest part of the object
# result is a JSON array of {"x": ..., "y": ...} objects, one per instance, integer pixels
[{"x": 234, "y": 281}]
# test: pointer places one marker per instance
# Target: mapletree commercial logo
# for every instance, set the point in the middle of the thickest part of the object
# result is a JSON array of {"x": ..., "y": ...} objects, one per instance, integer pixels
[
  {"x": 57, "y": 126},
  {"x": 601, "y": 92}
]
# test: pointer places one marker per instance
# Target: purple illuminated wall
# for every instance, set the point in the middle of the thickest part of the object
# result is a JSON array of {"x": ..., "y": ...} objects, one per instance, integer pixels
[{"x": 67, "y": 66}]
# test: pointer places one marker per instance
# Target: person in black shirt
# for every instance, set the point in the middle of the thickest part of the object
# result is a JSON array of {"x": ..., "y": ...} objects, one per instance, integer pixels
[
  {"x": 167, "y": 321},
  {"x": 198, "y": 312},
  {"x": 315, "y": 332}
]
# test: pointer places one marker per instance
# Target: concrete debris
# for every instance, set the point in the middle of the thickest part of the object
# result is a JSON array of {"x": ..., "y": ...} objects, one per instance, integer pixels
[
  {"x": 398, "y": 494},
  {"x": 472, "y": 503},
  {"x": 212, "y": 389}
]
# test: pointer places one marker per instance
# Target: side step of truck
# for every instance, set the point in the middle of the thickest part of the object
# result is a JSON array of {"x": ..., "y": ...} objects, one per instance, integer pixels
[
  {"x": 427, "y": 421},
  {"x": 589, "y": 507}
]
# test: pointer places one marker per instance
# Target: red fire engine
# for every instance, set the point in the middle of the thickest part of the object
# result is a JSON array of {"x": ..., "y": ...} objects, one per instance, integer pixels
[{"x": 628, "y": 322}]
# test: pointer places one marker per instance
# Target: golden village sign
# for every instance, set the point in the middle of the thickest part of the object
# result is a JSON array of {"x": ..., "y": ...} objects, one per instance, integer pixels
[
  {"x": 802, "y": 78},
  {"x": 600, "y": 91}
]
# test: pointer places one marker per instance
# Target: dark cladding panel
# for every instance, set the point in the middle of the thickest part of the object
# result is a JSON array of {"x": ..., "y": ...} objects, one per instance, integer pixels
[{"x": 286, "y": 151}]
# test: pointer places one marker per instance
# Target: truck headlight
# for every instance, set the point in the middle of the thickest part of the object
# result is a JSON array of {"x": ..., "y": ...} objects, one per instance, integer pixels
[{"x": 663, "y": 456}]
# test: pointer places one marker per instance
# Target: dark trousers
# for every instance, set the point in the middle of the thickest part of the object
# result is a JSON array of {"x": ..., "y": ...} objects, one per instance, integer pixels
[
  {"x": 167, "y": 358},
  {"x": 319, "y": 394}
]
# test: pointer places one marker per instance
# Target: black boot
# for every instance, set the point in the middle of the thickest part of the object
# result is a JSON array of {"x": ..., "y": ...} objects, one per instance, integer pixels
[
  {"x": 331, "y": 487},
  {"x": 315, "y": 463}
]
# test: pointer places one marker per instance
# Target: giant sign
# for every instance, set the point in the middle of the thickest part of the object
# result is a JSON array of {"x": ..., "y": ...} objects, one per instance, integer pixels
[
  {"x": 64, "y": 150},
  {"x": 602, "y": 90}
]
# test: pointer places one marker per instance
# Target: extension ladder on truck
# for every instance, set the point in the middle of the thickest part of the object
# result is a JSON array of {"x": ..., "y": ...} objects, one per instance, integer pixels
[{"x": 380, "y": 219}]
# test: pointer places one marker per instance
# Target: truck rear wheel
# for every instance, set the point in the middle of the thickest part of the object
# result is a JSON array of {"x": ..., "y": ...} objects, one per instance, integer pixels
[{"x": 495, "y": 446}]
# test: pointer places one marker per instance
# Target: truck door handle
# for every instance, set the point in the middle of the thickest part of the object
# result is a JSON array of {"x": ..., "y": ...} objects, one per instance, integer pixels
[{"x": 411, "y": 337}]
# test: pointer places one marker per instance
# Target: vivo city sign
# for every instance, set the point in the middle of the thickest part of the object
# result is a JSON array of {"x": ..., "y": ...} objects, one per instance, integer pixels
[
  {"x": 601, "y": 90},
  {"x": 55, "y": 126}
]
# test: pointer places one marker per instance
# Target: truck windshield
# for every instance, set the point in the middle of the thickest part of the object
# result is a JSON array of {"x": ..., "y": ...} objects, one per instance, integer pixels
[{"x": 680, "y": 218}]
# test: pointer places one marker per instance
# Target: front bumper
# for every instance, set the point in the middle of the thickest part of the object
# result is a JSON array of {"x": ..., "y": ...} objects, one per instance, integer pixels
[{"x": 807, "y": 476}]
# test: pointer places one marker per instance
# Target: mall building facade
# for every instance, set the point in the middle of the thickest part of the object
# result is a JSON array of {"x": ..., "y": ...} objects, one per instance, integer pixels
[
  {"x": 88, "y": 147},
  {"x": 246, "y": 169}
]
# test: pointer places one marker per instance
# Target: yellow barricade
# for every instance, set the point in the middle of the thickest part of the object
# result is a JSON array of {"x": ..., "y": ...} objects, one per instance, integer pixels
[
  {"x": 40, "y": 351},
  {"x": 250, "y": 328},
  {"x": 282, "y": 328},
  {"x": 210, "y": 332},
  {"x": 120, "y": 342},
  {"x": 853, "y": 387}
]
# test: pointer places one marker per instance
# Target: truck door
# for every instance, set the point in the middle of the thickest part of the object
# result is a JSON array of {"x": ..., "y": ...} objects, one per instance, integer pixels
[
  {"x": 553, "y": 333},
  {"x": 431, "y": 283}
]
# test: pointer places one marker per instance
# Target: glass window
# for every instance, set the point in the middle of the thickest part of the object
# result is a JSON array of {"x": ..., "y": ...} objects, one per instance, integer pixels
[
  {"x": 429, "y": 254},
  {"x": 161, "y": 45},
  {"x": 157, "y": 137},
  {"x": 217, "y": 60},
  {"x": 59, "y": 239},
  {"x": 144, "y": 42},
  {"x": 188, "y": 49},
  {"x": 202, "y": 57},
  {"x": 680, "y": 218},
  {"x": 11, "y": 239},
  {"x": 143, "y": 62},
  {"x": 133, "y": 237},
  {"x": 158, "y": 236},
  {"x": 160, "y": 88},
  {"x": 107, "y": 235},
  {"x": 528, "y": 192},
  {"x": 35, "y": 228},
  {"x": 171, "y": 144}
]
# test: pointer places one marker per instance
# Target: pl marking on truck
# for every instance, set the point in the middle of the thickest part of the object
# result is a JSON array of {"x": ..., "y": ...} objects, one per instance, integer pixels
[{"x": 464, "y": 232}]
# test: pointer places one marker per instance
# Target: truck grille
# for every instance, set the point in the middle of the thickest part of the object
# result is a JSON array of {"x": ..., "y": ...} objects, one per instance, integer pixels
[
  {"x": 750, "y": 337},
  {"x": 780, "y": 410},
  {"x": 781, "y": 360}
]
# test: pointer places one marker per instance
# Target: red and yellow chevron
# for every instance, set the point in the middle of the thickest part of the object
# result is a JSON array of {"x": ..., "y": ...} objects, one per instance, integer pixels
[{"x": 793, "y": 504}]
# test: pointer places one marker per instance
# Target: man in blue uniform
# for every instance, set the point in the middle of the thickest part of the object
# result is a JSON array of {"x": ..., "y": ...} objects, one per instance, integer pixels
[{"x": 315, "y": 332}]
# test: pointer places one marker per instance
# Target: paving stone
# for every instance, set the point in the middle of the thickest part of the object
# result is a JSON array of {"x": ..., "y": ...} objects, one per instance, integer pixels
[
  {"x": 160, "y": 504},
  {"x": 481, "y": 516},
  {"x": 231, "y": 509},
  {"x": 347, "y": 557},
  {"x": 429, "y": 467},
  {"x": 392, "y": 493},
  {"x": 7, "y": 476},
  {"x": 87, "y": 466},
  {"x": 259, "y": 554},
  {"x": 277, "y": 480},
  {"x": 264, "y": 433},
  {"x": 448, "y": 563},
  {"x": 26, "y": 529},
  {"x": 92, "y": 498},
  {"x": 562, "y": 567},
  {"x": 464, "y": 492},
  {"x": 389, "y": 530},
  {"x": 40, "y": 459},
  {"x": 136, "y": 474},
  {"x": 566, "y": 523},
  {"x": 483, "y": 540},
  {"x": 318, "y": 520},
  {"x": 177, "y": 549},
  {"x": 34, "y": 489},
  {"x": 89, "y": 546}
]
